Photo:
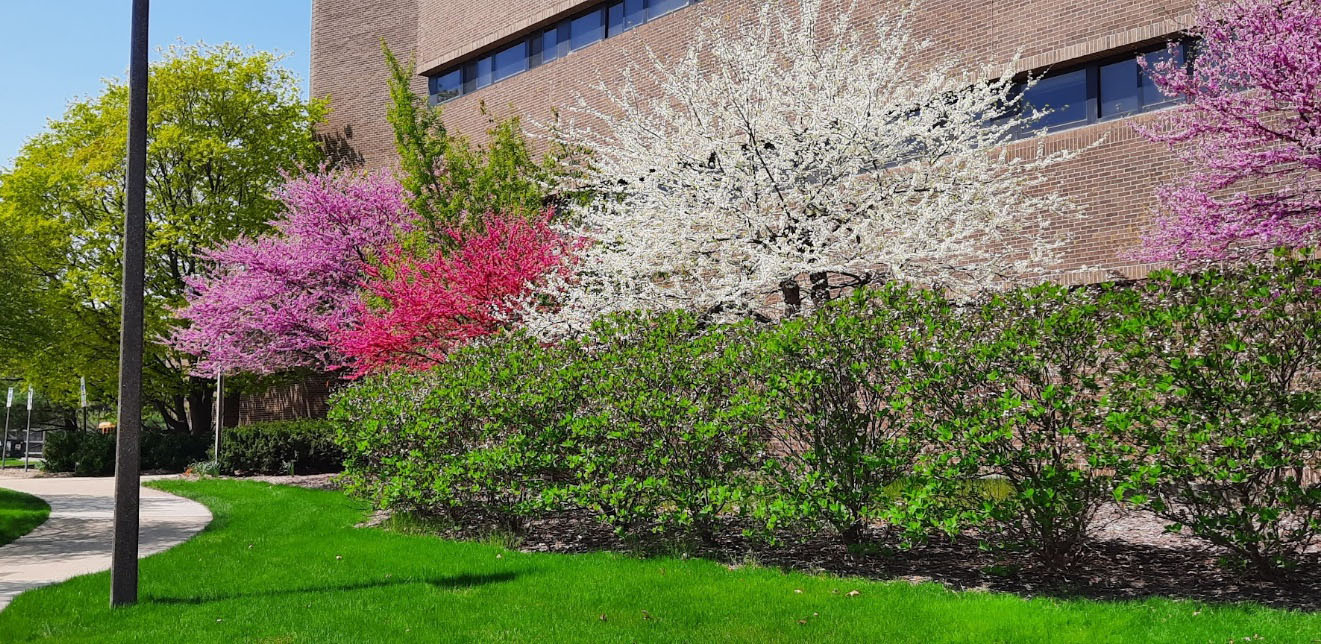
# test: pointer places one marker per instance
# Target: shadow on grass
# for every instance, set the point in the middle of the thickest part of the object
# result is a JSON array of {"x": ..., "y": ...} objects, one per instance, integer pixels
[{"x": 442, "y": 583}]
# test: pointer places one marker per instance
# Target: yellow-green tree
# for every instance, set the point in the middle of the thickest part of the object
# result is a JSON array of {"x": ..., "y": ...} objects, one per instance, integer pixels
[{"x": 224, "y": 125}]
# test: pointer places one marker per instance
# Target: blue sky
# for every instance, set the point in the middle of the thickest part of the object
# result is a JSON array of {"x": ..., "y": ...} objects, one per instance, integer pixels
[{"x": 53, "y": 51}]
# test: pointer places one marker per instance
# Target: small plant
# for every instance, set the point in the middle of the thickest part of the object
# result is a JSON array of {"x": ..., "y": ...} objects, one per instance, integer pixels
[
  {"x": 476, "y": 437},
  {"x": 203, "y": 468},
  {"x": 1012, "y": 389}
]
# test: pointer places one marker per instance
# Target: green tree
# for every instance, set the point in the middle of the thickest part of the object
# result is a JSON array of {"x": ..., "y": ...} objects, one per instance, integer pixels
[
  {"x": 454, "y": 182},
  {"x": 224, "y": 125}
]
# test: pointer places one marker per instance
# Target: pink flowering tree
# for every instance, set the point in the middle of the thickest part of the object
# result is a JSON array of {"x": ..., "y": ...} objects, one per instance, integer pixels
[
  {"x": 274, "y": 303},
  {"x": 1251, "y": 129},
  {"x": 415, "y": 311}
]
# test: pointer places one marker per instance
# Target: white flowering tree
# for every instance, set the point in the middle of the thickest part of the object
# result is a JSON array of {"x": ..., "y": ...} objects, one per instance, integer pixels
[{"x": 800, "y": 149}]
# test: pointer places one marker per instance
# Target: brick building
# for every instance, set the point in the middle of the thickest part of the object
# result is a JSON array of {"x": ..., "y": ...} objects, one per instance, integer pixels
[{"x": 530, "y": 56}]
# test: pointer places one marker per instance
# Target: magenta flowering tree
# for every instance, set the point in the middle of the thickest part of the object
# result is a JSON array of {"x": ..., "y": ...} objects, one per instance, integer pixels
[
  {"x": 415, "y": 311},
  {"x": 1251, "y": 129},
  {"x": 275, "y": 302}
]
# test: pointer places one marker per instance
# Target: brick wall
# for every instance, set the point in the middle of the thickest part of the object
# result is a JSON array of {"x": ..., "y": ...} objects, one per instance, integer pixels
[
  {"x": 348, "y": 67},
  {"x": 307, "y": 399}
]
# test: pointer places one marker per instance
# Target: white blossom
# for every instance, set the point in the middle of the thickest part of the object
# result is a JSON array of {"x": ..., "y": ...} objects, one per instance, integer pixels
[{"x": 802, "y": 143}]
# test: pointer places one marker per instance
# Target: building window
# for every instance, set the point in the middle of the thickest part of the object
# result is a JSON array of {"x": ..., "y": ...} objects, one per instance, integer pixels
[
  {"x": 447, "y": 85},
  {"x": 579, "y": 30},
  {"x": 1062, "y": 96},
  {"x": 658, "y": 8},
  {"x": 509, "y": 61},
  {"x": 1110, "y": 88},
  {"x": 587, "y": 29}
]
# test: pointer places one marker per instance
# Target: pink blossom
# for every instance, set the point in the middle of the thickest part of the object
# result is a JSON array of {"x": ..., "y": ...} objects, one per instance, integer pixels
[
  {"x": 273, "y": 303},
  {"x": 1251, "y": 129},
  {"x": 414, "y": 312}
]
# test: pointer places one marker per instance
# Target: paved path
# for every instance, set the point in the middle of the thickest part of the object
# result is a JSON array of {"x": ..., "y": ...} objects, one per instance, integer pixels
[{"x": 76, "y": 539}]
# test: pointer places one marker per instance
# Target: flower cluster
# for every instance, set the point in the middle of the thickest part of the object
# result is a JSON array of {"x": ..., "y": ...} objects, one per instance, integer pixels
[
  {"x": 1252, "y": 130},
  {"x": 275, "y": 302}
]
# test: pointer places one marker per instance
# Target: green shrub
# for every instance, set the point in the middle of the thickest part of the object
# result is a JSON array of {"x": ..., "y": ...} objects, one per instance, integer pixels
[
  {"x": 93, "y": 453},
  {"x": 657, "y": 443},
  {"x": 78, "y": 452},
  {"x": 172, "y": 451},
  {"x": 281, "y": 447},
  {"x": 834, "y": 396},
  {"x": 481, "y": 433},
  {"x": 1012, "y": 389},
  {"x": 1216, "y": 411}
]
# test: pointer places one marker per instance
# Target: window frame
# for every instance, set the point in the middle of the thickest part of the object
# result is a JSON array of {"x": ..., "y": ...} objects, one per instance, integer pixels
[
  {"x": 535, "y": 43},
  {"x": 1093, "y": 88}
]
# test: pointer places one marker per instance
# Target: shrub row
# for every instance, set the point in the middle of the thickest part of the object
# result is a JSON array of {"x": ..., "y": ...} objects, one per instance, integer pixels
[
  {"x": 281, "y": 447},
  {"x": 93, "y": 453},
  {"x": 1015, "y": 418}
]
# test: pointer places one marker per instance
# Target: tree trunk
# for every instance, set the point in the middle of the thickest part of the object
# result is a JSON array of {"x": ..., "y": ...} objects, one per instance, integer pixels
[
  {"x": 174, "y": 414},
  {"x": 820, "y": 287},
  {"x": 793, "y": 297},
  {"x": 201, "y": 406}
]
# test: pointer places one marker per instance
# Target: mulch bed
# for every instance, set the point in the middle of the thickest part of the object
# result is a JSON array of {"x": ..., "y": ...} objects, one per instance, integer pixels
[{"x": 1132, "y": 557}]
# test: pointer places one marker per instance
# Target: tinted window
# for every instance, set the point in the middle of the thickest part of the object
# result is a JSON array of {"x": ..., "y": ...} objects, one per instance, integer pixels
[
  {"x": 587, "y": 29},
  {"x": 661, "y": 7},
  {"x": 447, "y": 86},
  {"x": 1119, "y": 88},
  {"x": 635, "y": 13},
  {"x": 1151, "y": 94},
  {"x": 469, "y": 77},
  {"x": 614, "y": 19},
  {"x": 510, "y": 61},
  {"x": 609, "y": 18},
  {"x": 484, "y": 71},
  {"x": 1065, "y": 96}
]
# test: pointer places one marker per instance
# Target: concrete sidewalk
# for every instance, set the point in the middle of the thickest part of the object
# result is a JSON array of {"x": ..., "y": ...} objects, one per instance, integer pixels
[{"x": 76, "y": 539}]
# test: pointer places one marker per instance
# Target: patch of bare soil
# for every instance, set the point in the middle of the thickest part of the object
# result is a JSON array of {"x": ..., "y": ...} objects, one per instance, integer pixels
[
  {"x": 32, "y": 473},
  {"x": 310, "y": 481}
]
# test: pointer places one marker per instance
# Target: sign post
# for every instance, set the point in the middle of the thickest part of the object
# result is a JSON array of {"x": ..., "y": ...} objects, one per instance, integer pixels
[
  {"x": 27, "y": 436},
  {"x": 124, "y": 555},
  {"x": 82, "y": 398},
  {"x": 4, "y": 443}
]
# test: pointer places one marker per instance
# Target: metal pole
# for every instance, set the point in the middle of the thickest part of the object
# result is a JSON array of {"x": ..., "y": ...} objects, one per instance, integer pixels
[
  {"x": 220, "y": 409},
  {"x": 27, "y": 437},
  {"x": 124, "y": 558},
  {"x": 4, "y": 444}
]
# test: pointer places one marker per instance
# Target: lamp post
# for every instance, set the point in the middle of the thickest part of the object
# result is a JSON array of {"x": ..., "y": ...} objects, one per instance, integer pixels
[{"x": 124, "y": 557}]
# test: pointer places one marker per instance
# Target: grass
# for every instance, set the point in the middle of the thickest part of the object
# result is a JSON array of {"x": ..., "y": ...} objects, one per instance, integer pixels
[
  {"x": 19, "y": 514},
  {"x": 17, "y": 462},
  {"x": 282, "y": 564}
]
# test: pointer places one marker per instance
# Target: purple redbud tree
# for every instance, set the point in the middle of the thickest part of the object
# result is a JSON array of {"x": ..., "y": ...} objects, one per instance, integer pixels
[
  {"x": 1251, "y": 129},
  {"x": 273, "y": 303}
]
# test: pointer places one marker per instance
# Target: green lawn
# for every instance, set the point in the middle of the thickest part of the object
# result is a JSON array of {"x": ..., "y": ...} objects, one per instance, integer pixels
[
  {"x": 19, "y": 514},
  {"x": 282, "y": 564}
]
